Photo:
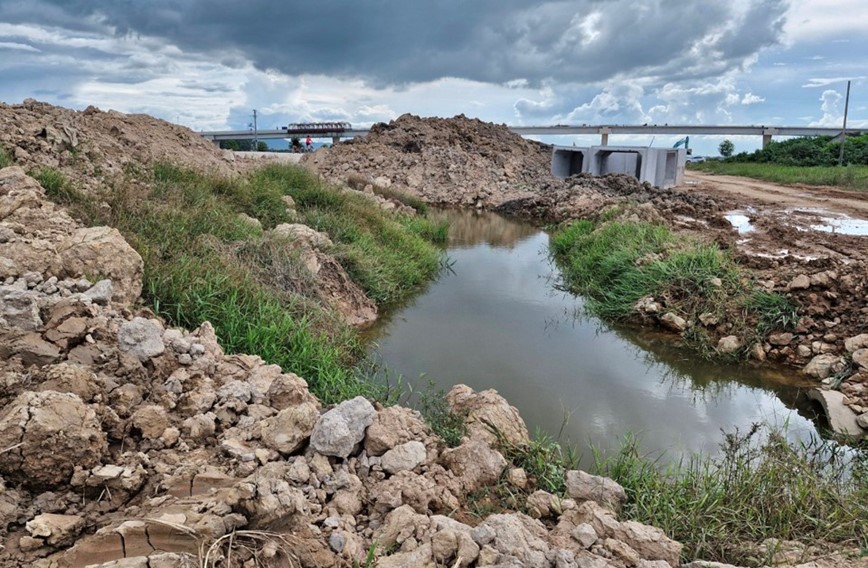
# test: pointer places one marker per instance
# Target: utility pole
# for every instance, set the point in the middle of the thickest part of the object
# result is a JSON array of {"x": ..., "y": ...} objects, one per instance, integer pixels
[
  {"x": 844, "y": 128},
  {"x": 255, "y": 133}
]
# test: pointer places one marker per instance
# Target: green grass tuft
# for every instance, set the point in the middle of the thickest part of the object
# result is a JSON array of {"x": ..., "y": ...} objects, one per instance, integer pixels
[
  {"x": 57, "y": 186},
  {"x": 760, "y": 487},
  {"x": 203, "y": 262},
  {"x": 5, "y": 159}
]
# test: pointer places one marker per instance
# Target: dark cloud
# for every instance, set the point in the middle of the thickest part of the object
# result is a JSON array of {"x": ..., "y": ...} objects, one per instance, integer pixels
[{"x": 395, "y": 42}]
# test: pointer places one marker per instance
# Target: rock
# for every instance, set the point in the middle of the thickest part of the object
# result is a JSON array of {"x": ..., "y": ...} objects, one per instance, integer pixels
[
  {"x": 860, "y": 357},
  {"x": 20, "y": 309},
  {"x": 729, "y": 344},
  {"x": 141, "y": 337},
  {"x": 758, "y": 353},
  {"x": 519, "y": 538},
  {"x": 781, "y": 339},
  {"x": 50, "y": 433},
  {"x": 100, "y": 293},
  {"x": 151, "y": 420},
  {"x": 338, "y": 431},
  {"x": 422, "y": 557},
  {"x": 540, "y": 504},
  {"x": 517, "y": 477},
  {"x": 475, "y": 463},
  {"x": 823, "y": 366},
  {"x": 392, "y": 426},
  {"x": 585, "y": 535},
  {"x": 800, "y": 282},
  {"x": 103, "y": 251},
  {"x": 304, "y": 234},
  {"x": 673, "y": 322},
  {"x": 29, "y": 347},
  {"x": 583, "y": 486},
  {"x": 487, "y": 412},
  {"x": 290, "y": 428},
  {"x": 856, "y": 342},
  {"x": 862, "y": 420},
  {"x": 56, "y": 530},
  {"x": 649, "y": 542},
  {"x": 404, "y": 457},
  {"x": 647, "y": 306}
]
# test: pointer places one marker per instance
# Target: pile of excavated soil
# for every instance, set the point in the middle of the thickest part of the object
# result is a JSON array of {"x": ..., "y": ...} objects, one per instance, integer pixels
[
  {"x": 454, "y": 161},
  {"x": 92, "y": 146}
]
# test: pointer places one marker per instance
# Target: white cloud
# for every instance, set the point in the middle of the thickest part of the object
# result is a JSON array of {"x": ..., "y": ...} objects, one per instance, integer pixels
[
  {"x": 18, "y": 46},
  {"x": 826, "y": 19},
  {"x": 752, "y": 99},
  {"x": 826, "y": 81}
]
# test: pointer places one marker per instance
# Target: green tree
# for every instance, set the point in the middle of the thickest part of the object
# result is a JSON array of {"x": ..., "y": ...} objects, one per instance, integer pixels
[
  {"x": 261, "y": 146},
  {"x": 726, "y": 148}
]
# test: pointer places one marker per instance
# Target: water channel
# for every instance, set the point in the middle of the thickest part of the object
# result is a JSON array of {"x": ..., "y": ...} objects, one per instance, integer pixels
[{"x": 496, "y": 320}]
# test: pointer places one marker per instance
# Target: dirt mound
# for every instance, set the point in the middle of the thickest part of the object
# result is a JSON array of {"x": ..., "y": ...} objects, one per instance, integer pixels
[
  {"x": 93, "y": 145},
  {"x": 454, "y": 161}
]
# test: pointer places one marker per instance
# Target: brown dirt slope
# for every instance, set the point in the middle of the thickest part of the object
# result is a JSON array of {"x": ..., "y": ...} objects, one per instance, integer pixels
[{"x": 455, "y": 161}]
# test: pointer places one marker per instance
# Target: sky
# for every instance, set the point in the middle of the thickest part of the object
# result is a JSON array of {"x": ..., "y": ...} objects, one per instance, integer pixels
[{"x": 207, "y": 64}]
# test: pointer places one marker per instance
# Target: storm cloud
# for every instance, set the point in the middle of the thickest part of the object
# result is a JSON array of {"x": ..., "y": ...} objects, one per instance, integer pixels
[{"x": 395, "y": 42}]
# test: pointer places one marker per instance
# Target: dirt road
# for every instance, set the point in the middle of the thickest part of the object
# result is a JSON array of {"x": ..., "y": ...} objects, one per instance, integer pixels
[{"x": 756, "y": 192}]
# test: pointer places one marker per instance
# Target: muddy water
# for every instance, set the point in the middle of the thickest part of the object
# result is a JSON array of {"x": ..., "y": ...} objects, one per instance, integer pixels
[{"x": 496, "y": 320}]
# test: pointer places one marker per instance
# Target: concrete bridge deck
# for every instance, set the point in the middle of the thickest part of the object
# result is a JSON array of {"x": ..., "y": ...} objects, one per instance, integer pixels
[{"x": 604, "y": 130}]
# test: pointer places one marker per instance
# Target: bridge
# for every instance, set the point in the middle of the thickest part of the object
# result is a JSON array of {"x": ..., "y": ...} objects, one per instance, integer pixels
[{"x": 767, "y": 132}]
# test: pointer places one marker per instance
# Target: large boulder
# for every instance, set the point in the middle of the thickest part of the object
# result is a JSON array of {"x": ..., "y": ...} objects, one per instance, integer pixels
[
  {"x": 338, "y": 431},
  {"x": 392, "y": 426},
  {"x": 475, "y": 464},
  {"x": 583, "y": 486},
  {"x": 47, "y": 434},
  {"x": 141, "y": 337},
  {"x": 103, "y": 251},
  {"x": 519, "y": 539},
  {"x": 292, "y": 426},
  {"x": 488, "y": 416}
]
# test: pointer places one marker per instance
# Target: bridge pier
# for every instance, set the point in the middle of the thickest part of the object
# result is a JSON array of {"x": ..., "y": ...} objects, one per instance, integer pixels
[
  {"x": 604, "y": 136},
  {"x": 767, "y": 135},
  {"x": 335, "y": 140}
]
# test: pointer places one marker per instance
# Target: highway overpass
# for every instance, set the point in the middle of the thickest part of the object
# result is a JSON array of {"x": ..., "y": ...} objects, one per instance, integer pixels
[{"x": 767, "y": 132}]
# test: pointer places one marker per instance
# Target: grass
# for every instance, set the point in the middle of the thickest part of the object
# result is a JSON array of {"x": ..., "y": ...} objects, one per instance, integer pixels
[
  {"x": 450, "y": 426},
  {"x": 616, "y": 263},
  {"x": 851, "y": 177},
  {"x": 5, "y": 159},
  {"x": 57, "y": 186},
  {"x": 203, "y": 262},
  {"x": 760, "y": 487}
]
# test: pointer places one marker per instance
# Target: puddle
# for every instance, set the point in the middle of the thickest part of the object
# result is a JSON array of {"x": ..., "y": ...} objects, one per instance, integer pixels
[
  {"x": 826, "y": 222},
  {"x": 843, "y": 226},
  {"x": 740, "y": 222}
]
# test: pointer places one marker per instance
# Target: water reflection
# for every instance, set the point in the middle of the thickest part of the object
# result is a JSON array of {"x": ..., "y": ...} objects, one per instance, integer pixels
[{"x": 498, "y": 322}]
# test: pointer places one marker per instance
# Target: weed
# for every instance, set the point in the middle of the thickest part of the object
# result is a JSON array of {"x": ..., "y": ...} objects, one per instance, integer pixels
[
  {"x": 615, "y": 264},
  {"x": 760, "y": 487},
  {"x": 56, "y": 185},
  {"x": 204, "y": 263},
  {"x": 5, "y": 159},
  {"x": 449, "y": 425},
  {"x": 545, "y": 461}
]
